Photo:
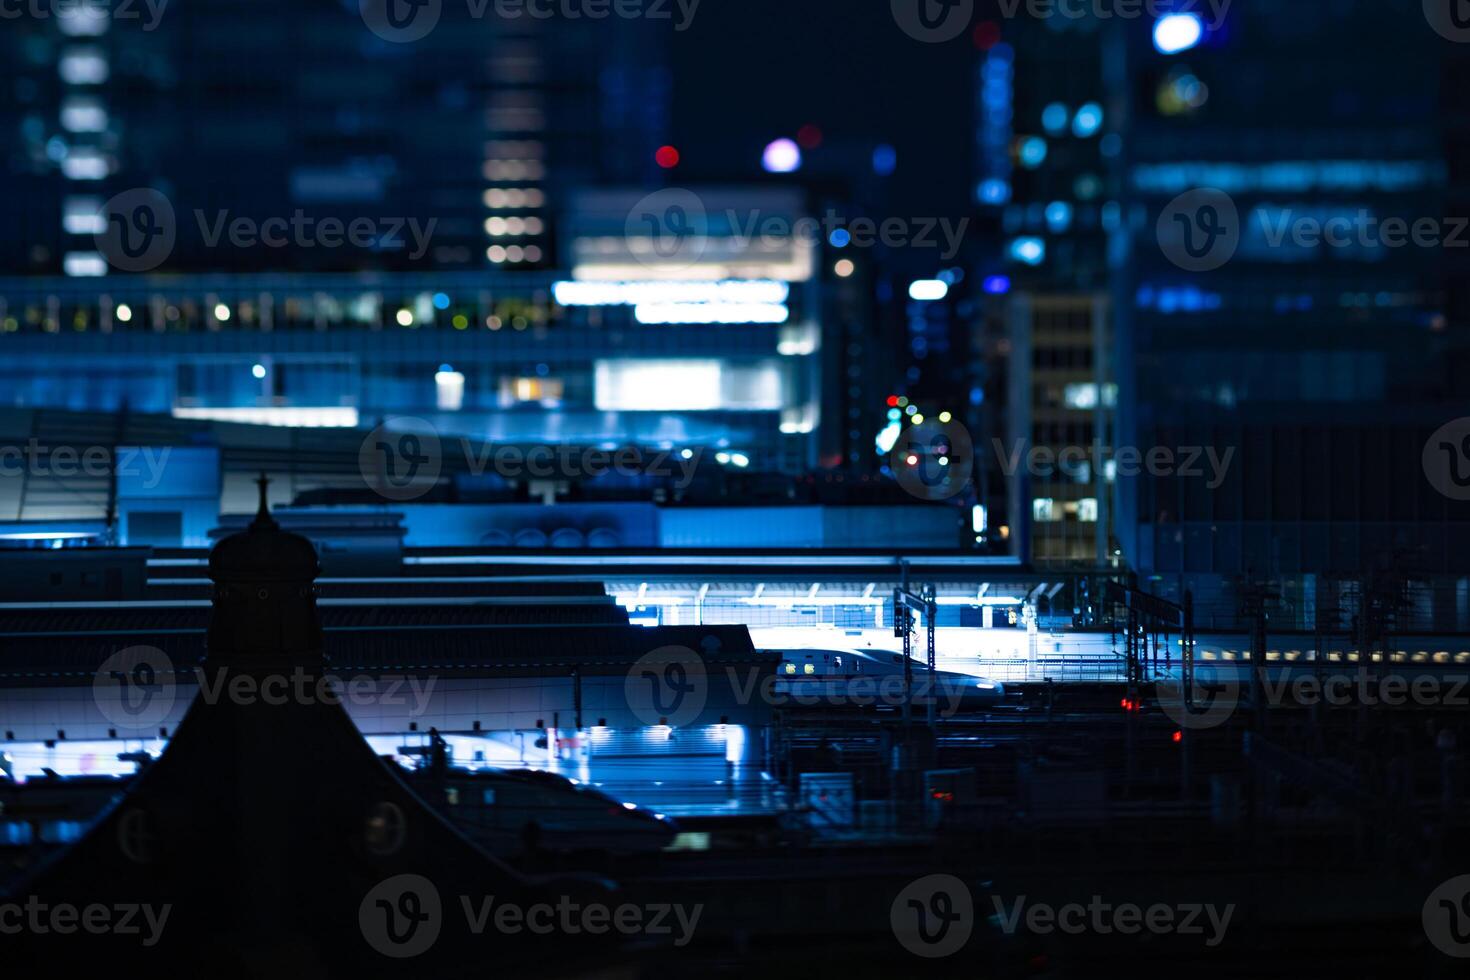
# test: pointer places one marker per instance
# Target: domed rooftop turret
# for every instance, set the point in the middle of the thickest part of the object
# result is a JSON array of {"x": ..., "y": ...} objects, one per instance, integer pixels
[
  {"x": 273, "y": 838},
  {"x": 263, "y": 552},
  {"x": 265, "y": 611}
]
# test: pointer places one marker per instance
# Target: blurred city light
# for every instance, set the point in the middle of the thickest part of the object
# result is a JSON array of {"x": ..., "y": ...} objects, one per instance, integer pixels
[
  {"x": 928, "y": 290},
  {"x": 1174, "y": 33},
  {"x": 781, "y": 156}
]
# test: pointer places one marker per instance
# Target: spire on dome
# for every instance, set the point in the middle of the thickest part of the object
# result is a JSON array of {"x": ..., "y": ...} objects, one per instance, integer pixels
[{"x": 263, "y": 518}]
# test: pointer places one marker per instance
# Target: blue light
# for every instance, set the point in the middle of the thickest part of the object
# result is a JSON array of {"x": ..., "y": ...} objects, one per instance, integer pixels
[
  {"x": 887, "y": 438},
  {"x": 998, "y": 285},
  {"x": 839, "y": 238},
  {"x": 1059, "y": 216},
  {"x": 1033, "y": 152},
  {"x": 1088, "y": 121},
  {"x": 1054, "y": 118},
  {"x": 1178, "y": 32},
  {"x": 995, "y": 191},
  {"x": 1031, "y": 251},
  {"x": 885, "y": 160}
]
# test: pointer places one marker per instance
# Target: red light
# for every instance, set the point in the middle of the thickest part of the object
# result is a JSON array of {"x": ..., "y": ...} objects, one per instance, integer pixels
[
  {"x": 892, "y": 401},
  {"x": 912, "y": 460},
  {"x": 987, "y": 35},
  {"x": 667, "y": 157},
  {"x": 1126, "y": 704},
  {"x": 809, "y": 136},
  {"x": 1178, "y": 736}
]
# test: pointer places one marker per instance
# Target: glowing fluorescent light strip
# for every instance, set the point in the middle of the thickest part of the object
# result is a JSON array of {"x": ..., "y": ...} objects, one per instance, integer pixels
[
  {"x": 639, "y": 292},
  {"x": 711, "y": 313},
  {"x": 48, "y": 535},
  {"x": 303, "y": 417}
]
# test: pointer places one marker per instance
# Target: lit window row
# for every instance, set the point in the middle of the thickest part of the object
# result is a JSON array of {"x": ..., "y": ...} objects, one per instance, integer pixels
[
  {"x": 82, "y": 215},
  {"x": 85, "y": 163},
  {"x": 84, "y": 66},
  {"x": 496, "y": 227},
  {"x": 514, "y": 197},
  {"x": 1044, "y": 509},
  {"x": 513, "y": 253},
  {"x": 83, "y": 114}
]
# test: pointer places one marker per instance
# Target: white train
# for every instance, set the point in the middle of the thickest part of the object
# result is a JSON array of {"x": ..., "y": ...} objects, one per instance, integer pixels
[
  {"x": 512, "y": 812},
  {"x": 848, "y": 678}
]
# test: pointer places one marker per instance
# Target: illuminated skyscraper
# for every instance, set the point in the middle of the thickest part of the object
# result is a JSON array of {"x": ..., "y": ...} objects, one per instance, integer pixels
[
  {"x": 1263, "y": 313},
  {"x": 270, "y": 110},
  {"x": 1045, "y": 183}
]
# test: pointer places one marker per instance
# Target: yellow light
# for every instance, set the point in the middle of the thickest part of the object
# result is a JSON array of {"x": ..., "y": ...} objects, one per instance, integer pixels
[
  {"x": 124, "y": 313},
  {"x": 945, "y": 417},
  {"x": 461, "y": 321},
  {"x": 918, "y": 419},
  {"x": 844, "y": 268},
  {"x": 405, "y": 318},
  {"x": 221, "y": 312}
]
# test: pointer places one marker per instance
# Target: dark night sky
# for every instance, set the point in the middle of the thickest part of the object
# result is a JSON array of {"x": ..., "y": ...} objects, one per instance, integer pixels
[{"x": 748, "y": 71}]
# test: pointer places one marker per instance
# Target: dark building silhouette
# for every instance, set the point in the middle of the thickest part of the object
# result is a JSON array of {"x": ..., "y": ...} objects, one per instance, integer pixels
[{"x": 270, "y": 833}]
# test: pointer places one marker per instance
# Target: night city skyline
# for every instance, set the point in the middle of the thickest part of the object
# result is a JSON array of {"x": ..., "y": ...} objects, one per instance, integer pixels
[{"x": 669, "y": 488}]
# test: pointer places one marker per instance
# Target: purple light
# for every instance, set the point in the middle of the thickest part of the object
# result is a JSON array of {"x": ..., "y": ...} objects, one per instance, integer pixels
[
  {"x": 998, "y": 285},
  {"x": 782, "y": 156}
]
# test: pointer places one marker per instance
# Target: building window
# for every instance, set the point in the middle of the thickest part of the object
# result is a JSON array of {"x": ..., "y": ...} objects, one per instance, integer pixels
[{"x": 543, "y": 391}]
